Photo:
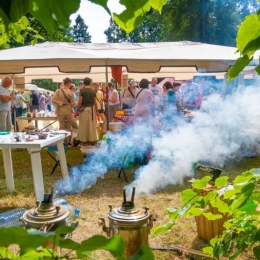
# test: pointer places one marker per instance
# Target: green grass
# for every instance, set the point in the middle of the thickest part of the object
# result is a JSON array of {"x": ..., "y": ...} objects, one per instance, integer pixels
[{"x": 94, "y": 201}]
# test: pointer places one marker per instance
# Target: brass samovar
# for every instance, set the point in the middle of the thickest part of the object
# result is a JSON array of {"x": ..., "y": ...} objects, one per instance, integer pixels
[{"x": 132, "y": 224}]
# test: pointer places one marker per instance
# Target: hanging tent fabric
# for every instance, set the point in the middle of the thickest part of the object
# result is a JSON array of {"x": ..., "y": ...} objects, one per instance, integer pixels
[{"x": 181, "y": 60}]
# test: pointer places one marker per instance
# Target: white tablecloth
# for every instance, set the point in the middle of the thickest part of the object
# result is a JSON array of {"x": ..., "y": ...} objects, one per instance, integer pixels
[{"x": 34, "y": 149}]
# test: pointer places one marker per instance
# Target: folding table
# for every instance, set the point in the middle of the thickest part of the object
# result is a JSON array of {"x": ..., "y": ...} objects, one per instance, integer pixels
[{"x": 34, "y": 149}]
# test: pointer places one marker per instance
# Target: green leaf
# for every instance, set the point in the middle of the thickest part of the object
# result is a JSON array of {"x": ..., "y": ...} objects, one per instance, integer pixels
[
  {"x": 243, "y": 179},
  {"x": 250, "y": 206},
  {"x": 160, "y": 229},
  {"x": 135, "y": 11},
  {"x": 187, "y": 196},
  {"x": 252, "y": 46},
  {"x": 214, "y": 241},
  {"x": 194, "y": 211},
  {"x": 211, "y": 216},
  {"x": 134, "y": 14},
  {"x": 63, "y": 230},
  {"x": 68, "y": 244},
  {"x": 210, "y": 196},
  {"x": 256, "y": 195},
  {"x": 221, "y": 181},
  {"x": 218, "y": 250},
  {"x": 256, "y": 237},
  {"x": 145, "y": 253},
  {"x": 172, "y": 213},
  {"x": 256, "y": 251},
  {"x": 55, "y": 13},
  {"x": 32, "y": 255},
  {"x": 115, "y": 245},
  {"x": 229, "y": 193},
  {"x": 208, "y": 250},
  {"x": 221, "y": 205},
  {"x": 12, "y": 235},
  {"x": 241, "y": 200},
  {"x": 248, "y": 31},
  {"x": 227, "y": 225},
  {"x": 184, "y": 210},
  {"x": 240, "y": 64},
  {"x": 202, "y": 183},
  {"x": 102, "y": 3},
  {"x": 11, "y": 11},
  {"x": 257, "y": 69},
  {"x": 157, "y": 4},
  {"x": 6, "y": 253}
]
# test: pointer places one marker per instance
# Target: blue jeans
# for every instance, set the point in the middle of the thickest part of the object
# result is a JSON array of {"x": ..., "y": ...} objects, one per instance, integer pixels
[{"x": 5, "y": 121}]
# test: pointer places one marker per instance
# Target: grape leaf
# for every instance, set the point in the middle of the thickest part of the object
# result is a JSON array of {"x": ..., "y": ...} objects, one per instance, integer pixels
[
  {"x": 211, "y": 216},
  {"x": 160, "y": 229},
  {"x": 221, "y": 181},
  {"x": 135, "y": 11},
  {"x": 188, "y": 195},
  {"x": 55, "y": 13},
  {"x": 248, "y": 31}
]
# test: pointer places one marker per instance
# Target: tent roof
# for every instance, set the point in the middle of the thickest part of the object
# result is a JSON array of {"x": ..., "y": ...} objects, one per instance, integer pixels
[{"x": 76, "y": 60}]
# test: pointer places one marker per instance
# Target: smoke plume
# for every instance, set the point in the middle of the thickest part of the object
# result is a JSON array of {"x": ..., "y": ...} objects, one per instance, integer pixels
[{"x": 224, "y": 128}]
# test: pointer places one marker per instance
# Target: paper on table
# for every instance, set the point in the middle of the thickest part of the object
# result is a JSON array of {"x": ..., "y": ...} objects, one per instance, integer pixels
[{"x": 59, "y": 132}]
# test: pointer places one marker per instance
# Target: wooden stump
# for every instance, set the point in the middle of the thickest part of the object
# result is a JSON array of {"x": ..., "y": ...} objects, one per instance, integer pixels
[{"x": 208, "y": 229}]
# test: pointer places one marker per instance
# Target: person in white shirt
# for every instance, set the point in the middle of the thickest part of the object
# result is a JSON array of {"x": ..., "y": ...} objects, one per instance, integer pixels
[
  {"x": 128, "y": 96},
  {"x": 157, "y": 92}
]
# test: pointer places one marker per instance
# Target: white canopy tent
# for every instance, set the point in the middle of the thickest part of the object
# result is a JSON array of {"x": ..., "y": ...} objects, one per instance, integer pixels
[
  {"x": 36, "y": 88},
  {"x": 181, "y": 60}
]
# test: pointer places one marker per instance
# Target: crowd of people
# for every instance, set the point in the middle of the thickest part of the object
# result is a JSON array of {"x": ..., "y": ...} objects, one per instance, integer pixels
[{"x": 146, "y": 101}]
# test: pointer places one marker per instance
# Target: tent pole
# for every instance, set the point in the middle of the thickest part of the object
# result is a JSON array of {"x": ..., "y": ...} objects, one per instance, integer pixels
[
  {"x": 107, "y": 99},
  {"x": 13, "y": 110}
]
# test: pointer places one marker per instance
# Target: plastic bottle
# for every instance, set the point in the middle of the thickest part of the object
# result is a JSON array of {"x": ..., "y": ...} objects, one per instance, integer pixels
[
  {"x": 74, "y": 212},
  {"x": 11, "y": 218},
  {"x": 59, "y": 201}
]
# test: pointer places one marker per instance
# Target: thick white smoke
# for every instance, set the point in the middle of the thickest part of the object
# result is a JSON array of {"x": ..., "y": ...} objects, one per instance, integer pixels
[{"x": 224, "y": 128}]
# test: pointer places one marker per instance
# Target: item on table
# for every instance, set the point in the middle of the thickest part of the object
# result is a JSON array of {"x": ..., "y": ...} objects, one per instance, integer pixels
[
  {"x": 30, "y": 129},
  {"x": 120, "y": 113},
  {"x": 128, "y": 112},
  {"x": 29, "y": 139},
  {"x": 42, "y": 135}
]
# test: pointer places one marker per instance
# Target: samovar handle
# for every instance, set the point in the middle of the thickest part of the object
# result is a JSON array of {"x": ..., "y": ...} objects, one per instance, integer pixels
[
  {"x": 102, "y": 222},
  {"x": 152, "y": 218}
]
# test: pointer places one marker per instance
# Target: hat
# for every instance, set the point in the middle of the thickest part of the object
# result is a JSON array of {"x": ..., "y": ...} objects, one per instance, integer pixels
[{"x": 132, "y": 82}]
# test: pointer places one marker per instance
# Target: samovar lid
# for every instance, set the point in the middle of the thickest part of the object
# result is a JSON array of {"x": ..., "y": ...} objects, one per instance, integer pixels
[
  {"x": 46, "y": 212},
  {"x": 128, "y": 212}
]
